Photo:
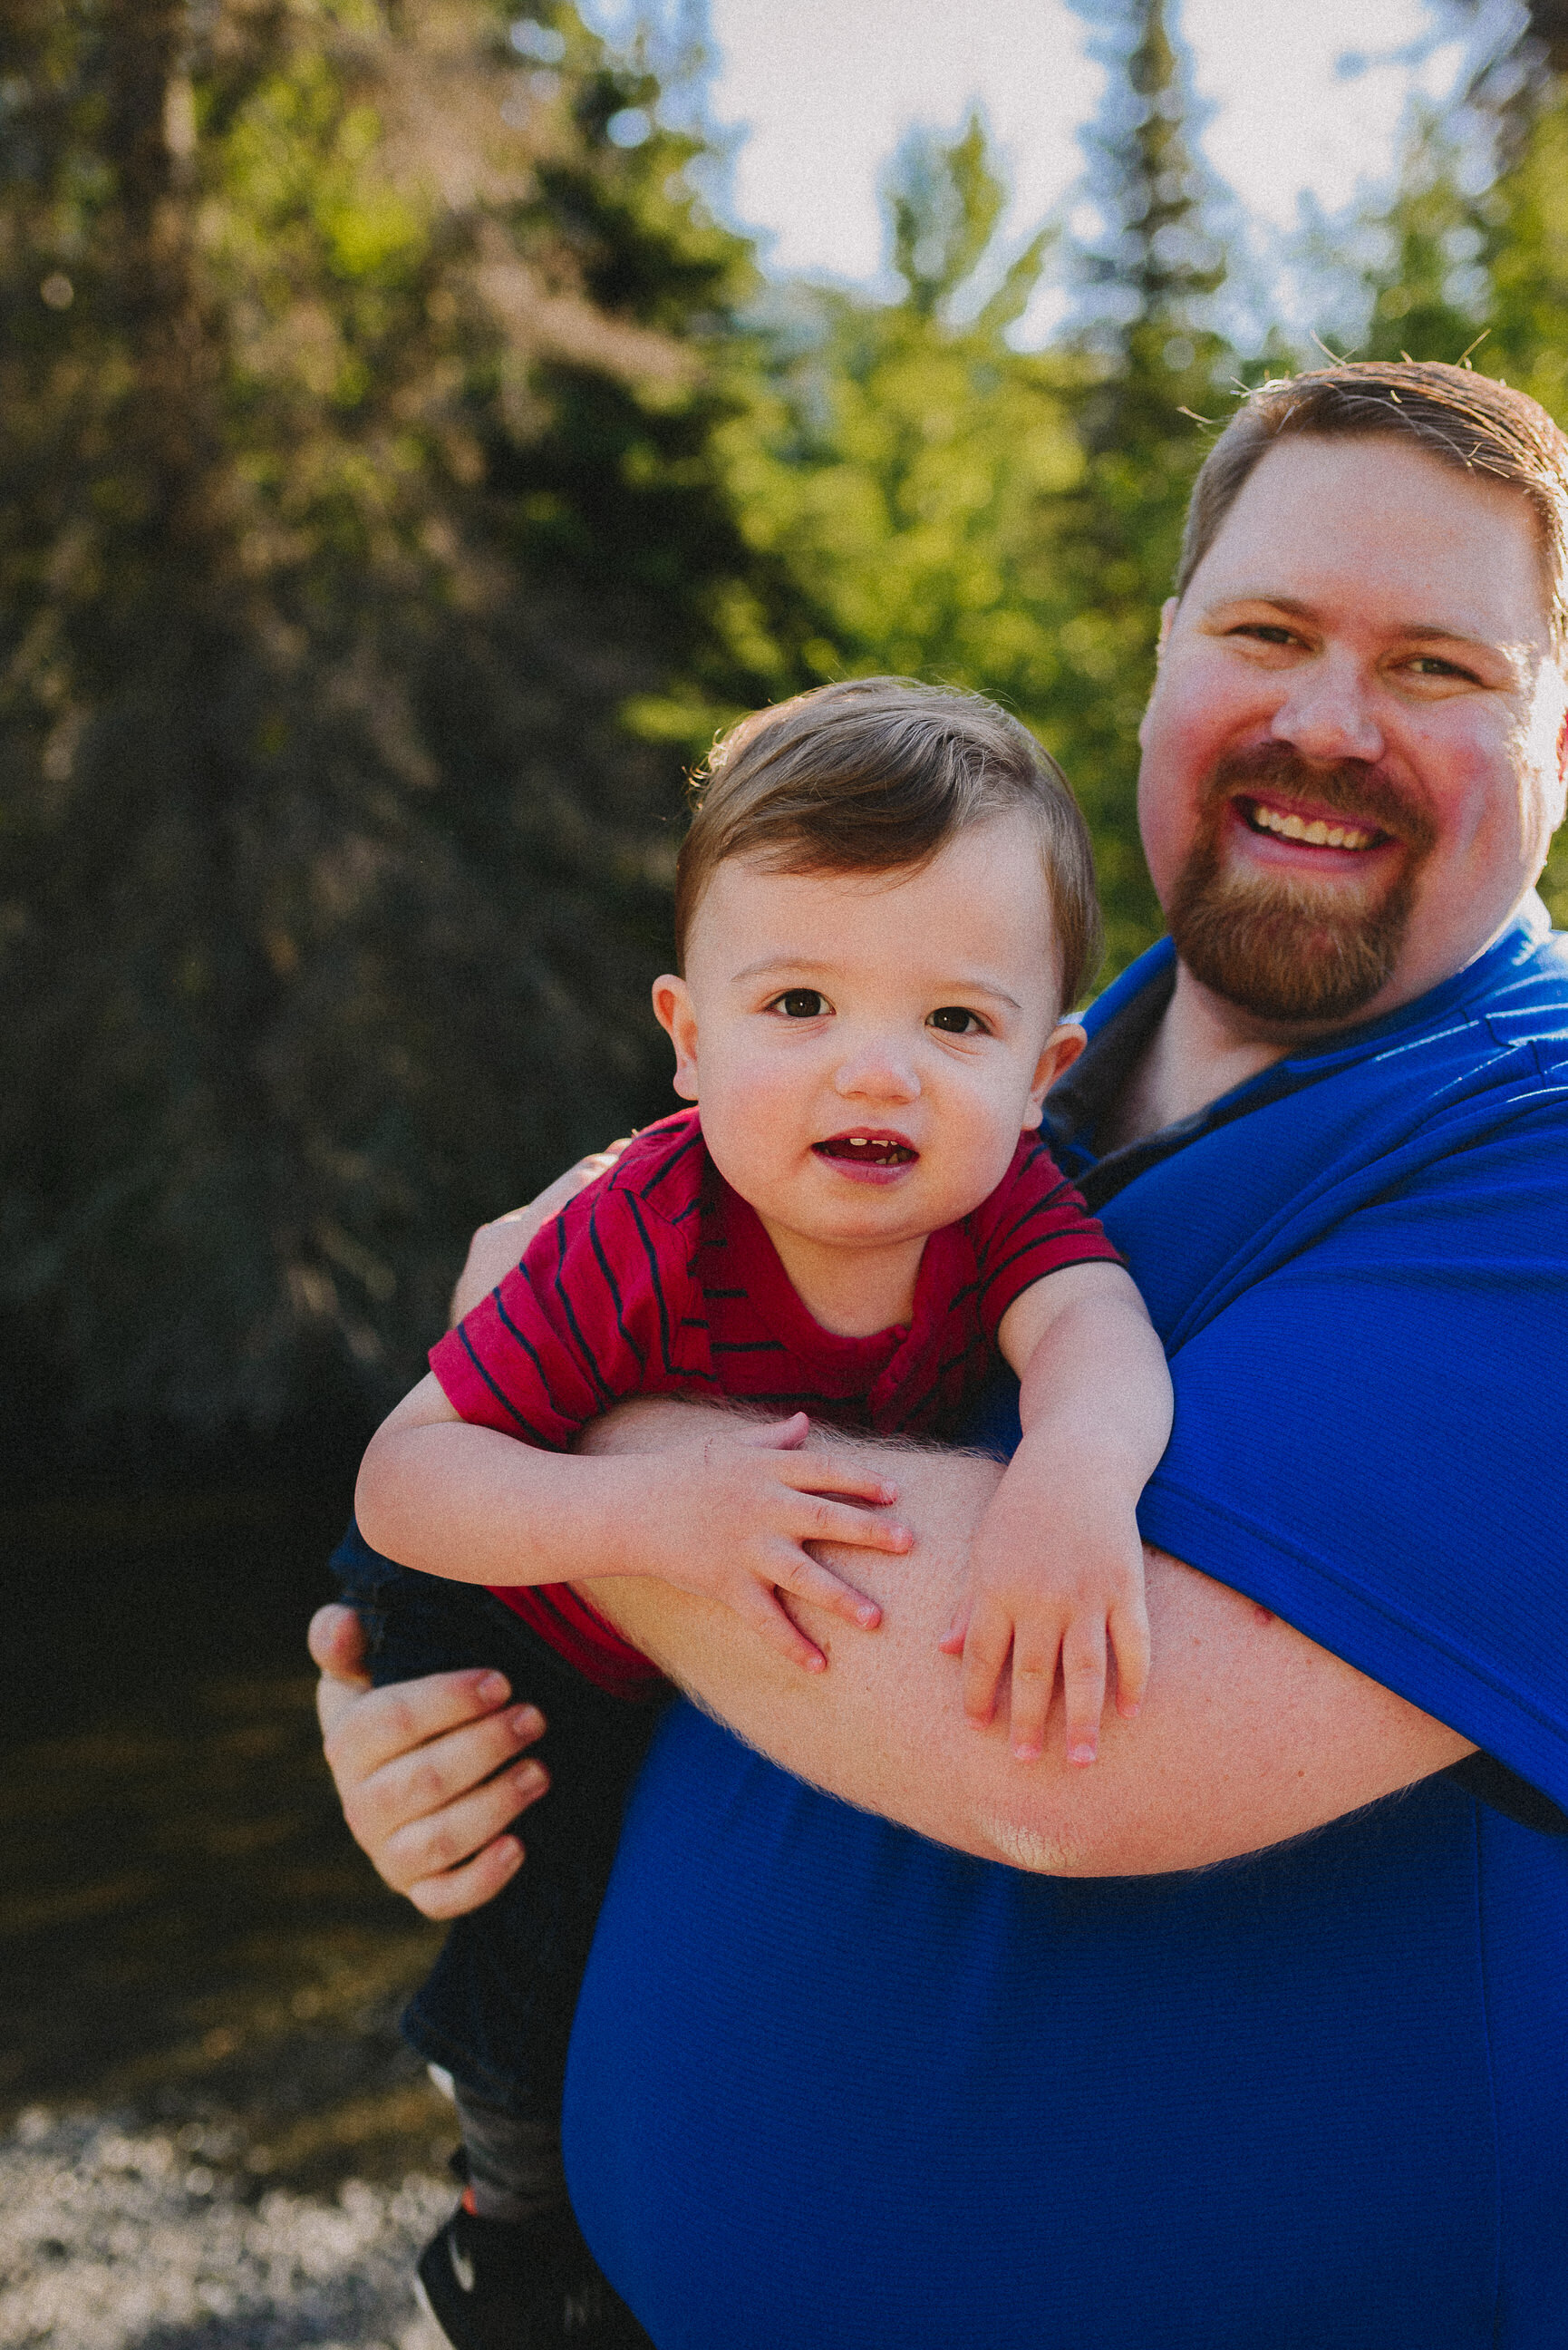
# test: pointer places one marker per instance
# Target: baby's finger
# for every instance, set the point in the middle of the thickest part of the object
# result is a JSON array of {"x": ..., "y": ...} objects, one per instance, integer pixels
[
  {"x": 1128, "y": 1627},
  {"x": 758, "y": 1605},
  {"x": 1084, "y": 1685},
  {"x": 806, "y": 1579},
  {"x": 986, "y": 1649},
  {"x": 457, "y": 1890},
  {"x": 819, "y": 1473},
  {"x": 819, "y": 1520},
  {"x": 780, "y": 1435},
  {"x": 1034, "y": 1685}
]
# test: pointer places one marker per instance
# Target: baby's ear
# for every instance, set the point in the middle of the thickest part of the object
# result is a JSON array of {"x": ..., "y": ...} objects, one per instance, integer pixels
[
  {"x": 1062, "y": 1046},
  {"x": 674, "y": 1011}
]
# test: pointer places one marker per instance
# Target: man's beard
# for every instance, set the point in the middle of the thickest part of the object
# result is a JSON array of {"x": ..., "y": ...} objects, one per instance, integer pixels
[{"x": 1282, "y": 948}]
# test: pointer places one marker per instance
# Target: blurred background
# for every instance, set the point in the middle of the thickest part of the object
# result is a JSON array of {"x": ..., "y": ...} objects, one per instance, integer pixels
[{"x": 421, "y": 427}]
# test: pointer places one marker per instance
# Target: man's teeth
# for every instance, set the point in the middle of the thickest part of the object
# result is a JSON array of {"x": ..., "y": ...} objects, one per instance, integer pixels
[{"x": 1317, "y": 833}]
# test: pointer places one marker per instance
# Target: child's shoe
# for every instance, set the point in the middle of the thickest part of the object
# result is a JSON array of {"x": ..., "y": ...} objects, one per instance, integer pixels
[{"x": 493, "y": 2284}]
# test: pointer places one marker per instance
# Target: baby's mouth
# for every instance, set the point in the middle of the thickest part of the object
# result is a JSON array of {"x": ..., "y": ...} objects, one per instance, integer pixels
[{"x": 868, "y": 1150}]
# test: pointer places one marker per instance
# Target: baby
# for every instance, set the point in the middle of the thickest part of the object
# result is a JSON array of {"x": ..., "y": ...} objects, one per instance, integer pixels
[{"x": 883, "y": 906}]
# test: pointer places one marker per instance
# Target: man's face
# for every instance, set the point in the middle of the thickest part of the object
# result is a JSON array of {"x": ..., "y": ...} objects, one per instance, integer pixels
[{"x": 1351, "y": 758}]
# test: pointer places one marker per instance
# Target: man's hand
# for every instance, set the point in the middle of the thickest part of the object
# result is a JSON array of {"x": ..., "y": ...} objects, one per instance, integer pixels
[
  {"x": 496, "y": 1247},
  {"x": 427, "y": 1771}
]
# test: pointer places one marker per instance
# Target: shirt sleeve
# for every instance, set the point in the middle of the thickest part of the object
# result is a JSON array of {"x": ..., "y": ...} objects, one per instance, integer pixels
[
  {"x": 1370, "y": 1441},
  {"x": 1033, "y": 1223},
  {"x": 598, "y": 1309}
]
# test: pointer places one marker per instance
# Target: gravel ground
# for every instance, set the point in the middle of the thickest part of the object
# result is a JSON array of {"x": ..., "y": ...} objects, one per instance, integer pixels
[{"x": 114, "y": 2237}]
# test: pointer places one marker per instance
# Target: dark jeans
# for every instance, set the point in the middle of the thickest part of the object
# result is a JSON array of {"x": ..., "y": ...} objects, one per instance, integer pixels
[{"x": 497, "y": 2009}]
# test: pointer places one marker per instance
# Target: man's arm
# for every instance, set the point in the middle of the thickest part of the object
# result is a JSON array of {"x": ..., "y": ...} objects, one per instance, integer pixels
[{"x": 1250, "y": 1733}]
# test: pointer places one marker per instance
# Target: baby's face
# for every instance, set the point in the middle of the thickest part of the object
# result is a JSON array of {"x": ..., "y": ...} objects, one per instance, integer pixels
[{"x": 867, "y": 1048}]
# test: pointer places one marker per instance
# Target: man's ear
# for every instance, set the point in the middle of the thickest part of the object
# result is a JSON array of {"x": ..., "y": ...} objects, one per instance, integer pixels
[
  {"x": 1062, "y": 1046},
  {"x": 673, "y": 1010},
  {"x": 1167, "y": 615}
]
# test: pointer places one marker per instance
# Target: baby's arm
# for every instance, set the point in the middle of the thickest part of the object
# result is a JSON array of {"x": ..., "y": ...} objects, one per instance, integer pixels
[
  {"x": 1057, "y": 1563},
  {"x": 727, "y": 1516}
]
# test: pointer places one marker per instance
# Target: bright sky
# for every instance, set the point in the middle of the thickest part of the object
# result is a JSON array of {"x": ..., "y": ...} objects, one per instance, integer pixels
[{"x": 817, "y": 94}]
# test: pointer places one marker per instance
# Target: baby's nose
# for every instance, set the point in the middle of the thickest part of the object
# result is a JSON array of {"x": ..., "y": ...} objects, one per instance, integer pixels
[{"x": 878, "y": 1072}]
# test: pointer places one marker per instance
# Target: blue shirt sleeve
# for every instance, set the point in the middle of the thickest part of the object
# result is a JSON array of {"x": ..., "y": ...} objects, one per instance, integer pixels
[{"x": 1370, "y": 1441}]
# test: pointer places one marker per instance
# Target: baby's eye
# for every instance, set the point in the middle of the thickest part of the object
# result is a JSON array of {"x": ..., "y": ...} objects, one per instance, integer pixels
[
  {"x": 957, "y": 1020},
  {"x": 800, "y": 1003}
]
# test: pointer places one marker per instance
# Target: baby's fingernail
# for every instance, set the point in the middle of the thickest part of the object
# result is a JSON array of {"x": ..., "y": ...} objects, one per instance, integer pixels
[
  {"x": 530, "y": 1779},
  {"x": 493, "y": 1690},
  {"x": 867, "y": 1615},
  {"x": 1082, "y": 1752},
  {"x": 527, "y": 1722},
  {"x": 1024, "y": 1753}
]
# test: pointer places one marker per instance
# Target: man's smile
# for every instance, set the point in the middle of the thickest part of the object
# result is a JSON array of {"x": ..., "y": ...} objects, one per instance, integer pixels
[{"x": 1312, "y": 831}]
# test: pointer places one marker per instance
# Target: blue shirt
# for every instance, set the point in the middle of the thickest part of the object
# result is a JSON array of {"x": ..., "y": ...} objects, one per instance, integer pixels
[{"x": 833, "y": 2085}]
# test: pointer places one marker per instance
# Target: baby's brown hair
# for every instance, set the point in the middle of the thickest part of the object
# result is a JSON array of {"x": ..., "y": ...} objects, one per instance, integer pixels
[{"x": 877, "y": 775}]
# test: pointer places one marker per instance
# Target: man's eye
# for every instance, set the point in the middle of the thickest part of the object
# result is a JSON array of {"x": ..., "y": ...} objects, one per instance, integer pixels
[
  {"x": 800, "y": 1003},
  {"x": 957, "y": 1020},
  {"x": 1434, "y": 665}
]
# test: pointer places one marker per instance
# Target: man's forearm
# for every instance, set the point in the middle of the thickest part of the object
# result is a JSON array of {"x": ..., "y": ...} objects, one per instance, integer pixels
[{"x": 1249, "y": 1732}]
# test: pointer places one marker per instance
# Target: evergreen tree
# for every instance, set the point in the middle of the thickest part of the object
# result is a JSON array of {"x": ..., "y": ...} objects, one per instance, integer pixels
[
  {"x": 1526, "y": 261},
  {"x": 1487, "y": 272},
  {"x": 1158, "y": 364},
  {"x": 355, "y": 474},
  {"x": 902, "y": 469},
  {"x": 911, "y": 473},
  {"x": 1430, "y": 296}
]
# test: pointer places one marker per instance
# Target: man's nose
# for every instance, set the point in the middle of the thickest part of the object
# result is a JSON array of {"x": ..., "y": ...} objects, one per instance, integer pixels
[
  {"x": 1327, "y": 716},
  {"x": 876, "y": 1070}
]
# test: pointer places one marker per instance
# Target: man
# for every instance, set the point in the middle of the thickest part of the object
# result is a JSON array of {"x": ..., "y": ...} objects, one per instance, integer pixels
[{"x": 1327, "y": 1131}]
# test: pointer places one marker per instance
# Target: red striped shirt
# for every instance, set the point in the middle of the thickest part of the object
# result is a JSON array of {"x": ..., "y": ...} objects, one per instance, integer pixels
[{"x": 659, "y": 1279}]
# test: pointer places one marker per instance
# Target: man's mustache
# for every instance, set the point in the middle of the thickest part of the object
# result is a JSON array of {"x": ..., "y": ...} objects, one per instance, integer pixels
[{"x": 1353, "y": 788}]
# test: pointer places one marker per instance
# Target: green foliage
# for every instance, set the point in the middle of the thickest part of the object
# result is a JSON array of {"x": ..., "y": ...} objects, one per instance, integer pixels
[
  {"x": 352, "y": 477},
  {"x": 1487, "y": 271},
  {"x": 946, "y": 507},
  {"x": 1526, "y": 260},
  {"x": 400, "y": 482},
  {"x": 902, "y": 467},
  {"x": 1427, "y": 296},
  {"x": 1157, "y": 367}
]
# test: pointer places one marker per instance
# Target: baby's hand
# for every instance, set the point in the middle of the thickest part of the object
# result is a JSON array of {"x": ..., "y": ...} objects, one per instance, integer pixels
[
  {"x": 1055, "y": 1570},
  {"x": 730, "y": 1517}
]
